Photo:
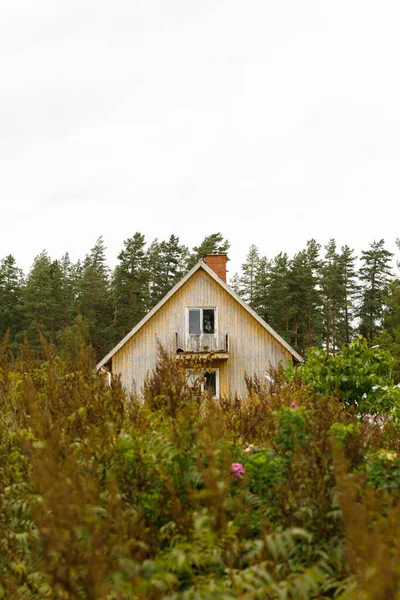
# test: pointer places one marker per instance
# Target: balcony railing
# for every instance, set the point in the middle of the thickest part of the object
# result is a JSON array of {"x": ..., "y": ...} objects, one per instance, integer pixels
[{"x": 204, "y": 342}]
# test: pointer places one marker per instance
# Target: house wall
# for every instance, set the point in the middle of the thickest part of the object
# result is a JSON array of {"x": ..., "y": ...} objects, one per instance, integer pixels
[{"x": 252, "y": 348}]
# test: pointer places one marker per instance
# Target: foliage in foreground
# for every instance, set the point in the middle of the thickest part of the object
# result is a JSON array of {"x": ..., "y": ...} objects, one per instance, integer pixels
[
  {"x": 102, "y": 497},
  {"x": 359, "y": 376}
]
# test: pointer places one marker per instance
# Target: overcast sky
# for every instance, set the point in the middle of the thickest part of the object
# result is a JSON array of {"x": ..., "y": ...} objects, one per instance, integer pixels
[{"x": 272, "y": 121}]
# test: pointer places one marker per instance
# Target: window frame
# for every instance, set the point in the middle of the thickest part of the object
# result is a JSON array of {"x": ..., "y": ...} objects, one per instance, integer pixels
[
  {"x": 201, "y": 308},
  {"x": 216, "y": 371}
]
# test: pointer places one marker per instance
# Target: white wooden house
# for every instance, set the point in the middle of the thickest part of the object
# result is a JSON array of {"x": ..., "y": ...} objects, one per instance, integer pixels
[{"x": 201, "y": 315}]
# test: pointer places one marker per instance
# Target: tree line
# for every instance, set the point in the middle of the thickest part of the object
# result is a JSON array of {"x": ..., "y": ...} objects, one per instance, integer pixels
[
  {"x": 325, "y": 296},
  {"x": 66, "y": 301},
  {"x": 321, "y": 296}
]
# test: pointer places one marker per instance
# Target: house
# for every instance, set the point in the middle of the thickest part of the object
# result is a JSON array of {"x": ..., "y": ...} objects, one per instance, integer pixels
[{"x": 201, "y": 316}]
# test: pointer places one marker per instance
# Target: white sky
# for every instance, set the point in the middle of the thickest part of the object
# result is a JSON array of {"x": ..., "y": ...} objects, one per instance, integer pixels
[{"x": 272, "y": 121}]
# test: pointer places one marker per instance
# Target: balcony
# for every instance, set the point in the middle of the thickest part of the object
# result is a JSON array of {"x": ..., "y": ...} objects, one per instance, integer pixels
[{"x": 202, "y": 344}]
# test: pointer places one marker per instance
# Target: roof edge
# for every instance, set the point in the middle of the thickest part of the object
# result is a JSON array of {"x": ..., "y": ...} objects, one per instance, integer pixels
[
  {"x": 200, "y": 265},
  {"x": 270, "y": 330},
  {"x": 149, "y": 315}
]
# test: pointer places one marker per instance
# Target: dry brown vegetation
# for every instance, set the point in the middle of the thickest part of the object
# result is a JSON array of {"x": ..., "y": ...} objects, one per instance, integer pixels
[{"x": 103, "y": 497}]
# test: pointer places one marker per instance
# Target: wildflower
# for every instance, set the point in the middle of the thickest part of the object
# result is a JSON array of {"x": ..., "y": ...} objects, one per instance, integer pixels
[
  {"x": 294, "y": 404},
  {"x": 249, "y": 448},
  {"x": 237, "y": 470}
]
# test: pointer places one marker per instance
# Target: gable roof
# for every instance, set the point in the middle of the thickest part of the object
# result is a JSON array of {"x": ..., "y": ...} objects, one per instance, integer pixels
[{"x": 200, "y": 265}]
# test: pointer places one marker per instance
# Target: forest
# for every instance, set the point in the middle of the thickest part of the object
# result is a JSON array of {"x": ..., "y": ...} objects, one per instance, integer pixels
[{"x": 322, "y": 296}]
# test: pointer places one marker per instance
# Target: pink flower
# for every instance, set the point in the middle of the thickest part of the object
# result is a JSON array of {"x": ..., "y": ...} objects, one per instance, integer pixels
[
  {"x": 237, "y": 470},
  {"x": 294, "y": 404}
]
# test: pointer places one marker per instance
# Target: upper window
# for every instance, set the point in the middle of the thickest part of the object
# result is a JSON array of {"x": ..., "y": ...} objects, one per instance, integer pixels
[{"x": 201, "y": 320}]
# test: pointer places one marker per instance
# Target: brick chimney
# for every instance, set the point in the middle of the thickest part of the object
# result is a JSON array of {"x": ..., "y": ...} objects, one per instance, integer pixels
[{"x": 217, "y": 262}]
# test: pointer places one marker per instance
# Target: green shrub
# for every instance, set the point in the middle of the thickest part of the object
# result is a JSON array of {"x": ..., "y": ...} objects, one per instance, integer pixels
[
  {"x": 359, "y": 376},
  {"x": 291, "y": 428},
  {"x": 264, "y": 470},
  {"x": 383, "y": 470},
  {"x": 106, "y": 498}
]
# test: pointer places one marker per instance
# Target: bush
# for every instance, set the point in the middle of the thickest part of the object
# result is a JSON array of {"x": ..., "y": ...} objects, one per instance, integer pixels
[
  {"x": 359, "y": 376},
  {"x": 102, "y": 497}
]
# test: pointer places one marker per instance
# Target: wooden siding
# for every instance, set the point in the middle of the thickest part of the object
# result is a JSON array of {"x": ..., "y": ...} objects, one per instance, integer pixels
[{"x": 252, "y": 349}]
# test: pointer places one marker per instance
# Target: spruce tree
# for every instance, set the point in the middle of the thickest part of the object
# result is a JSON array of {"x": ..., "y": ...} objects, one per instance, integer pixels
[
  {"x": 95, "y": 298},
  {"x": 375, "y": 275},
  {"x": 248, "y": 279},
  {"x": 41, "y": 300},
  {"x": 11, "y": 289},
  {"x": 130, "y": 286}
]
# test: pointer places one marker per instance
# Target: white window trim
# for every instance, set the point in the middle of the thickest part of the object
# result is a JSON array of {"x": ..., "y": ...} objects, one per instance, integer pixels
[{"x": 201, "y": 308}]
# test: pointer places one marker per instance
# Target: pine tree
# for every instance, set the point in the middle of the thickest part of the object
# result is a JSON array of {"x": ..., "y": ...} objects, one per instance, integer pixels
[
  {"x": 298, "y": 300},
  {"x": 70, "y": 285},
  {"x": 167, "y": 264},
  {"x": 42, "y": 300},
  {"x": 72, "y": 338},
  {"x": 130, "y": 286},
  {"x": 350, "y": 290},
  {"x": 305, "y": 298},
  {"x": 337, "y": 283},
  {"x": 375, "y": 275},
  {"x": 234, "y": 283},
  {"x": 95, "y": 298},
  {"x": 262, "y": 288},
  {"x": 154, "y": 269},
  {"x": 212, "y": 244},
  {"x": 174, "y": 259},
  {"x": 11, "y": 289},
  {"x": 277, "y": 311},
  {"x": 314, "y": 300},
  {"x": 248, "y": 279},
  {"x": 58, "y": 292},
  {"x": 390, "y": 337},
  {"x": 330, "y": 285}
]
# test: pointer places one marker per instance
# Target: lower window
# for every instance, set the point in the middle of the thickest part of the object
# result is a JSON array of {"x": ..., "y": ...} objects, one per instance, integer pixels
[{"x": 206, "y": 382}]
